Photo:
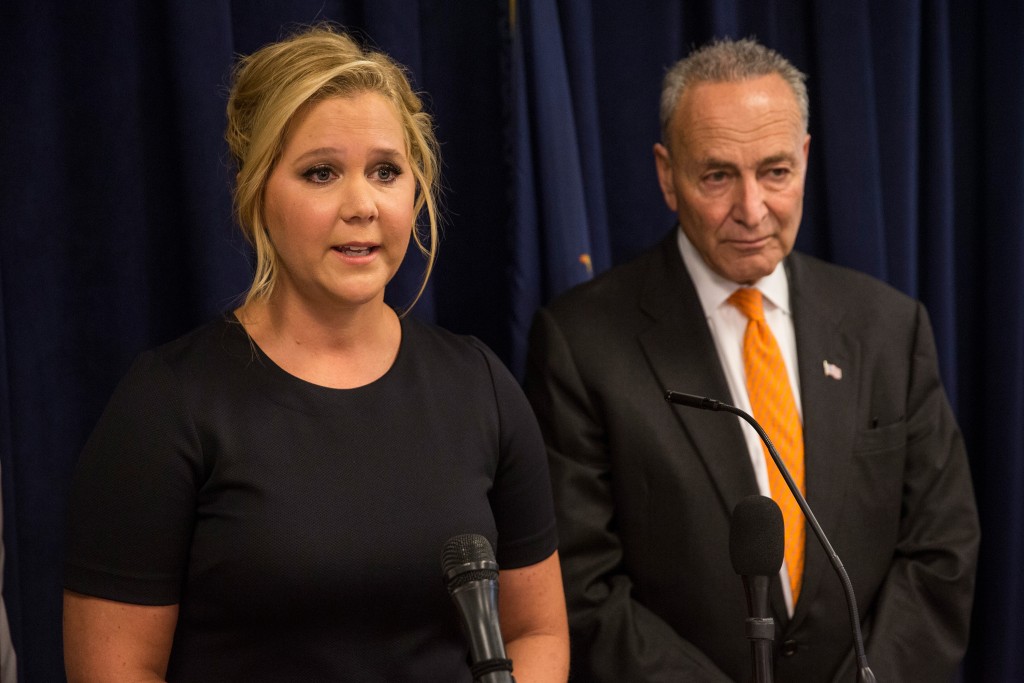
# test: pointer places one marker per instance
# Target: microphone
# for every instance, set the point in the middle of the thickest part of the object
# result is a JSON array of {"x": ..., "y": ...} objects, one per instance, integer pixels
[
  {"x": 756, "y": 547},
  {"x": 864, "y": 673},
  {"x": 471, "y": 575}
]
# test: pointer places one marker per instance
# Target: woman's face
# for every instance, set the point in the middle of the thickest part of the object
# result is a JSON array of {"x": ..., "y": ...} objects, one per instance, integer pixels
[{"x": 339, "y": 203}]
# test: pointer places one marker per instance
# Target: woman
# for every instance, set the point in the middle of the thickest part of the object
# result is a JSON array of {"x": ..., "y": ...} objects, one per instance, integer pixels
[{"x": 267, "y": 497}]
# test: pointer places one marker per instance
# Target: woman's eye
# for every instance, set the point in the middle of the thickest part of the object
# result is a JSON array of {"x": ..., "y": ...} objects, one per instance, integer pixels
[
  {"x": 388, "y": 173},
  {"x": 319, "y": 174}
]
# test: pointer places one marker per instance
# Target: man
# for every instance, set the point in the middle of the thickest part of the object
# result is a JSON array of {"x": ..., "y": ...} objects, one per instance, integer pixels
[{"x": 645, "y": 489}]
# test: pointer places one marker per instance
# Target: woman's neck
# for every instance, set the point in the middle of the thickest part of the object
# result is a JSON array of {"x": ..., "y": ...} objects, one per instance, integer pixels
[{"x": 341, "y": 348}]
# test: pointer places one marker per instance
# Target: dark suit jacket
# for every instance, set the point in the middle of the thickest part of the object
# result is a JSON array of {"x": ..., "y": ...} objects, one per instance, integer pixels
[{"x": 644, "y": 489}]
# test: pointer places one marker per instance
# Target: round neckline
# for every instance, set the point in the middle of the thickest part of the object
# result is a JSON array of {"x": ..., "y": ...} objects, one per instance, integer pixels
[{"x": 272, "y": 365}]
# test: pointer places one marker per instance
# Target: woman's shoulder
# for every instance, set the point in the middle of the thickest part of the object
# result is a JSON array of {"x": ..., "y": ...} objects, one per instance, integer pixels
[
  {"x": 211, "y": 341},
  {"x": 451, "y": 351},
  {"x": 201, "y": 356}
]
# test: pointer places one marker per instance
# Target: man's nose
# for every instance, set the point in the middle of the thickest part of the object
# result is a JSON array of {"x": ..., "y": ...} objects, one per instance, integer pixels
[{"x": 749, "y": 208}]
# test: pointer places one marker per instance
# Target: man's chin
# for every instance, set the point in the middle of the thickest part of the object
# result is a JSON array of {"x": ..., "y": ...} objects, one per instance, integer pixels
[{"x": 747, "y": 271}]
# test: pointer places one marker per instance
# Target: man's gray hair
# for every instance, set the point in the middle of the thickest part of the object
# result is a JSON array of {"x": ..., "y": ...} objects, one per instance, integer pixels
[{"x": 728, "y": 61}]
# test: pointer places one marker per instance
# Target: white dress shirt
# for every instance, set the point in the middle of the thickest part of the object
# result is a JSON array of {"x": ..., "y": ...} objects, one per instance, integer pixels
[{"x": 728, "y": 325}]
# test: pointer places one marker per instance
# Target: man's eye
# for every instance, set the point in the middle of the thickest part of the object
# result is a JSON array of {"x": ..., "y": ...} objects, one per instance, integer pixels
[{"x": 716, "y": 177}]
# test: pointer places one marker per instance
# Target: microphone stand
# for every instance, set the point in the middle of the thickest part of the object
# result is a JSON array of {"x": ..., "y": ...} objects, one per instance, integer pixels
[
  {"x": 864, "y": 673},
  {"x": 760, "y": 631},
  {"x": 756, "y": 547}
]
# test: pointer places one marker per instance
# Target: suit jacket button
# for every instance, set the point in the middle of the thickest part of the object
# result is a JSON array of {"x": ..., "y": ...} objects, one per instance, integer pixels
[{"x": 789, "y": 648}]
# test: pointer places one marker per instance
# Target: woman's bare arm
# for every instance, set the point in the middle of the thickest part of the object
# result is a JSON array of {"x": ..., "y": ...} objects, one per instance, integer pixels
[
  {"x": 116, "y": 642},
  {"x": 531, "y": 605}
]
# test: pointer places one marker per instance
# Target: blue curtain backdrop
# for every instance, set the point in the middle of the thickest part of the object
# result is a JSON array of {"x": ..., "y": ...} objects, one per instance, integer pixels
[{"x": 116, "y": 231}]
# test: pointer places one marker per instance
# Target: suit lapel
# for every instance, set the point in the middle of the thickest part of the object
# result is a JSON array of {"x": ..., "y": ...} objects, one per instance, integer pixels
[
  {"x": 827, "y": 395},
  {"x": 681, "y": 353}
]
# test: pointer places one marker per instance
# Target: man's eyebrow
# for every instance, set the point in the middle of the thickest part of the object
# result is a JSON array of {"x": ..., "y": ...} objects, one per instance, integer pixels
[
  {"x": 778, "y": 158},
  {"x": 713, "y": 162}
]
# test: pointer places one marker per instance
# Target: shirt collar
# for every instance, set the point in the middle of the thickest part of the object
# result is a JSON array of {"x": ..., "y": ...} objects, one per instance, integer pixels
[{"x": 713, "y": 289}]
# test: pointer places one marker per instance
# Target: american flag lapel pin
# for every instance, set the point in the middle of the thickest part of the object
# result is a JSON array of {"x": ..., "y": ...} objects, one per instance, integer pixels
[{"x": 832, "y": 370}]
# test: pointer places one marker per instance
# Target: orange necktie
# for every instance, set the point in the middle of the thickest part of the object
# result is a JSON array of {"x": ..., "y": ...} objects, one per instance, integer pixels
[{"x": 771, "y": 399}]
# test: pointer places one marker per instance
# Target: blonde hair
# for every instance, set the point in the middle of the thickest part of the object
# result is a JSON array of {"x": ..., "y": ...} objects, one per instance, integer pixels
[{"x": 272, "y": 84}]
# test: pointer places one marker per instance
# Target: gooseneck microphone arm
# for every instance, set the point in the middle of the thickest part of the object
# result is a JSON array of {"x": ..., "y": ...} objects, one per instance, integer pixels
[{"x": 864, "y": 673}]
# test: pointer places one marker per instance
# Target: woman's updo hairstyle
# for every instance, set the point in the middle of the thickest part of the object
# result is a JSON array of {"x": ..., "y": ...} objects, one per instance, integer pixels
[{"x": 272, "y": 84}]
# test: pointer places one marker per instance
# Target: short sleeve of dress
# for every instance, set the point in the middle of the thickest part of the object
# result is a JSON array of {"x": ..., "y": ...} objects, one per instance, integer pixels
[
  {"x": 521, "y": 498},
  {"x": 132, "y": 503}
]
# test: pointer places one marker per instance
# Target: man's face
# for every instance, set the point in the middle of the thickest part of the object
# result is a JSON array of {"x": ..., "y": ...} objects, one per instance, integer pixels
[{"x": 734, "y": 173}]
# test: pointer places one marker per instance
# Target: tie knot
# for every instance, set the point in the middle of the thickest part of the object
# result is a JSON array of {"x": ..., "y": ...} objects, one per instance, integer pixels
[{"x": 748, "y": 300}]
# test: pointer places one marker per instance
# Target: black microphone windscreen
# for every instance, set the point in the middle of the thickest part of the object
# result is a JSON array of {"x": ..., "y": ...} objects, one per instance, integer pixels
[
  {"x": 467, "y": 557},
  {"x": 756, "y": 537}
]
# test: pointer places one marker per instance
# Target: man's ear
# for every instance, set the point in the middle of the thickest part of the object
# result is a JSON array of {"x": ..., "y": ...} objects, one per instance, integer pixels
[{"x": 663, "y": 164}]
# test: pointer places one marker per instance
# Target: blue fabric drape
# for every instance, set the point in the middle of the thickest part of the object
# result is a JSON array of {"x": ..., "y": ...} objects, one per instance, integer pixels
[
  {"x": 990, "y": 261},
  {"x": 561, "y": 231},
  {"x": 116, "y": 230}
]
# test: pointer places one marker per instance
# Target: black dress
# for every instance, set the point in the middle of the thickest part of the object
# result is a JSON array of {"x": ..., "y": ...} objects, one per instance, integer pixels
[{"x": 299, "y": 527}]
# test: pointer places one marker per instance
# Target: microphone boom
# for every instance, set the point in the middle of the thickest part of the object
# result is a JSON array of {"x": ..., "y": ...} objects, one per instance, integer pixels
[{"x": 864, "y": 673}]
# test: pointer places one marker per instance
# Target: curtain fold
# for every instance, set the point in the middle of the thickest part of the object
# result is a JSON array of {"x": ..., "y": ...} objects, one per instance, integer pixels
[
  {"x": 560, "y": 224},
  {"x": 993, "y": 227}
]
